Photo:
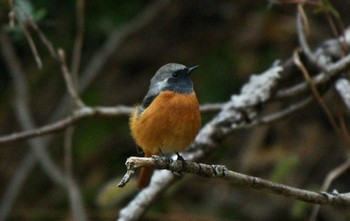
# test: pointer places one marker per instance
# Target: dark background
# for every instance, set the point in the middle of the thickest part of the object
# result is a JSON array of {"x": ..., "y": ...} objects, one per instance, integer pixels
[{"x": 229, "y": 40}]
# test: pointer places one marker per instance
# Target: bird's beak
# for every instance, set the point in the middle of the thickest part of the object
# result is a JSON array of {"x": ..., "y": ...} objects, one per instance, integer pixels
[{"x": 191, "y": 69}]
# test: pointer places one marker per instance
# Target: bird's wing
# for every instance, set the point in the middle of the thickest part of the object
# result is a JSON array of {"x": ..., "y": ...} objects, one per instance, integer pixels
[{"x": 148, "y": 100}]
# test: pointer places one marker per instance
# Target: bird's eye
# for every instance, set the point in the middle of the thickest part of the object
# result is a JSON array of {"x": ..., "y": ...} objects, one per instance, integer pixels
[{"x": 176, "y": 74}]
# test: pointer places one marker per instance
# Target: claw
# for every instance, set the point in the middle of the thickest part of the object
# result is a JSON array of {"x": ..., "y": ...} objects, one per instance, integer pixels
[
  {"x": 329, "y": 195},
  {"x": 179, "y": 157}
]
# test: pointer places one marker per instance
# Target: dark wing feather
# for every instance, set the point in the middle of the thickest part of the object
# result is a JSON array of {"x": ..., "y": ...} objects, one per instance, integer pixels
[{"x": 148, "y": 100}]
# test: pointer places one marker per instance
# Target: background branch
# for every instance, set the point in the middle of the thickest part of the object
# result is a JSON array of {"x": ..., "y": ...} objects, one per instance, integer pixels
[
  {"x": 79, "y": 40},
  {"x": 82, "y": 113}
]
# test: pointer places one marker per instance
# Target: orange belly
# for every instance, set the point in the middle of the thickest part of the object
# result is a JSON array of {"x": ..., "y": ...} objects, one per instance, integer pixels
[{"x": 169, "y": 124}]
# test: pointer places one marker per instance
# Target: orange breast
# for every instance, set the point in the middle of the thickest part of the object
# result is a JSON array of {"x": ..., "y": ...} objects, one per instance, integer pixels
[{"x": 170, "y": 123}]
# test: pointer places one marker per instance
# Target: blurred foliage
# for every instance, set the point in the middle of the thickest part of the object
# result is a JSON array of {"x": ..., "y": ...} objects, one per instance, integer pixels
[{"x": 229, "y": 40}]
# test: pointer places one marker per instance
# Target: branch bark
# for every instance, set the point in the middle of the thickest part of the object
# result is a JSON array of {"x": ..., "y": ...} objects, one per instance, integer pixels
[{"x": 220, "y": 171}]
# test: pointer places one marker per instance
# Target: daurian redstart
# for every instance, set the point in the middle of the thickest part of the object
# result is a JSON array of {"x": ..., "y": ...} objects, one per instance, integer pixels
[{"x": 168, "y": 118}]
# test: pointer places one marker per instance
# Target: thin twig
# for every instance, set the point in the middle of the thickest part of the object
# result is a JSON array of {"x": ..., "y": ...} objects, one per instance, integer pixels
[
  {"x": 284, "y": 113},
  {"x": 302, "y": 27},
  {"x": 210, "y": 108},
  {"x": 331, "y": 176},
  {"x": 16, "y": 183},
  {"x": 76, "y": 201},
  {"x": 79, "y": 40},
  {"x": 30, "y": 22},
  {"x": 32, "y": 46},
  {"x": 67, "y": 151},
  {"x": 314, "y": 90},
  {"x": 62, "y": 124},
  {"x": 69, "y": 80},
  {"x": 17, "y": 13}
]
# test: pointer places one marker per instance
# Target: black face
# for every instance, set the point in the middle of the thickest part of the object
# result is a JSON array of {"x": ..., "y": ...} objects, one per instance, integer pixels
[{"x": 180, "y": 82}]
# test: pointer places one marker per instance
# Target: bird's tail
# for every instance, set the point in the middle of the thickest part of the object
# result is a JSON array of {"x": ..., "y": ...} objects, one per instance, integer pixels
[{"x": 145, "y": 175}]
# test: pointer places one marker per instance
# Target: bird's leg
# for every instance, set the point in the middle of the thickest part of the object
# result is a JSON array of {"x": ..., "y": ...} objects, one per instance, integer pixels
[
  {"x": 179, "y": 157},
  {"x": 167, "y": 158},
  {"x": 183, "y": 161}
]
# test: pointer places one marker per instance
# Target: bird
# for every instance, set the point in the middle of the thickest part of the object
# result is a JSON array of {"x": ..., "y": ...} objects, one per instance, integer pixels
[{"x": 168, "y": 119}]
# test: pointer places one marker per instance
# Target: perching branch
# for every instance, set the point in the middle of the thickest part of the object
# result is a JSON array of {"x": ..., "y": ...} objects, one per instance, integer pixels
[{"x": 220, "y": 171}]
